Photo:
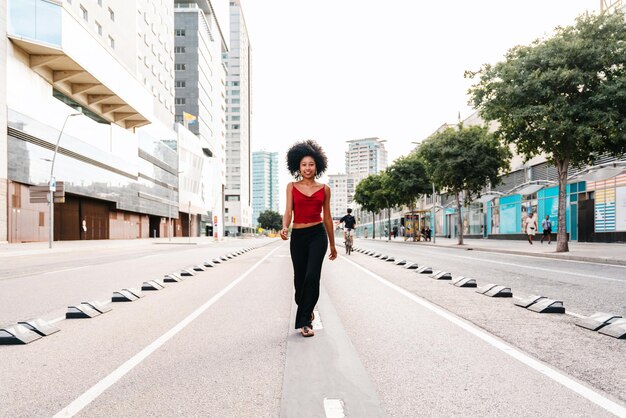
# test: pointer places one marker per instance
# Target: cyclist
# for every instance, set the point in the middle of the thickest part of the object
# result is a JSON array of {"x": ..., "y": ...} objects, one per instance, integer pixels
[{"x": 349, "y": 223}]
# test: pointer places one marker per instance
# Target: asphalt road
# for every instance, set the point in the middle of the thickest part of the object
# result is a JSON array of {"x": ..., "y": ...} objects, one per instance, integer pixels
[{"x": 388, "y": 342}]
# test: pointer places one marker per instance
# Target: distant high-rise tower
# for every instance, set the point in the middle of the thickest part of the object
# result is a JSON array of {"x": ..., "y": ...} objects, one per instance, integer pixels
[
  {"x": 366, "y": 156},
  {"x": 612, "y": 5},
  {"x": 264, "y": 183},
  {"x": 238, "y": 204}
]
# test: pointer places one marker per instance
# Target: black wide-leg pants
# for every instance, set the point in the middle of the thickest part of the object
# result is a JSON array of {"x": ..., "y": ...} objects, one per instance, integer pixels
[{"x": 308, "y": 247}]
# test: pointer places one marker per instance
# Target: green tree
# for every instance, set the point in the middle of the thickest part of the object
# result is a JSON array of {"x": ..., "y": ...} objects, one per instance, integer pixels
[
  {"x": 270, "y": 219},
  {"x": 408, "y": 180},
  {"x": 463, "y": 161},
  {"x": 367, "y": 195},
  {"x": 564, "y": 96}
]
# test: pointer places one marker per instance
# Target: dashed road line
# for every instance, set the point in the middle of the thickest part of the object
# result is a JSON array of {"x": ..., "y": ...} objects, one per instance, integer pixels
[
  {"x": 64, "y": 270},
  {"x": 544, "y": 369},
  {"x": 333, "y": 408},
  {"x": 96, "y": 390}
]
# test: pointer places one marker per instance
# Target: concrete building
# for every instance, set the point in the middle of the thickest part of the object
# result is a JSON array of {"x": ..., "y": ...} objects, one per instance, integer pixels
[
  {"x": 200, "y": 79},
  {"x": 342, "y": 187},
  {"x": 264, "y": 183},
  {"x": 238, "y": 200},
  {"x": 608, "y": 6},
  {"x": 366, "y": 156},
  {"x": 90, "y": 104}
]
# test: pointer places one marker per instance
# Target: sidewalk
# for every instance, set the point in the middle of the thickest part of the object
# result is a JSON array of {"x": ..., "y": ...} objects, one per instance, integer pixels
[
  {"x": 58, "y": 247},
  {"x": 614, "y": 254}
]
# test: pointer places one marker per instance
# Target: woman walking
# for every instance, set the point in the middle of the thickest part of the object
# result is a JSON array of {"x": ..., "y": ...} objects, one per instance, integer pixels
[
  {"x": 531, "y": 227},
  {"x": 306, "y": 198}
]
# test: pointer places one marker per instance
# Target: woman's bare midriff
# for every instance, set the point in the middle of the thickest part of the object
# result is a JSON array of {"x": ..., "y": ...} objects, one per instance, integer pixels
[{"x": 306, "y": 225}]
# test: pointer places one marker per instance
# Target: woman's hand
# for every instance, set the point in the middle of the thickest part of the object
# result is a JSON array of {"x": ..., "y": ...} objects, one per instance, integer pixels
[
  {"x": 333, "y": 253},
  {"x": 283, "y": 234}
]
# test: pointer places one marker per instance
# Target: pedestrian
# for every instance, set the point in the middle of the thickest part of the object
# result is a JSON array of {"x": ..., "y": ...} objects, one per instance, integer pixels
[
  {"x": 310, "y": 234},
  {"x": 365, "y": 232},
  {"x": 428, "y": 233},
  {"x": 546, "y": 225},
  {"x": 402, "y": 230},
  {"x": 394, "y": 231},
  {"x": 531, "y": 227}
]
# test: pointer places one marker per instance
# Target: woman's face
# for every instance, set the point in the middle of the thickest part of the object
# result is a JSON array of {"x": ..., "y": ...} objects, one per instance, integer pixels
[{"x": 307, "y": 167}]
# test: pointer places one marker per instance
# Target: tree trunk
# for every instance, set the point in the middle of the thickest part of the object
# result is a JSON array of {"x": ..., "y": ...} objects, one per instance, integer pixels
[
  {"x": 561, "y": 235},
  {"x": 459, "y": 218},
  {"x": 373, "y": 225}
]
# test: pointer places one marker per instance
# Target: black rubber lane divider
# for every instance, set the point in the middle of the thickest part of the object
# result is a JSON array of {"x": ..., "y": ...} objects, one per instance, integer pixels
[
  {"x": 152, "y": 285},
  {"x": 383, "y": 257},
  {"x": 187, "y": 272},
  {"x": 40, "y": 326},
  {"x": 598, "y": 320},
  {"x": 126, "y": 295},
  {"x": 400, "y": 262},
  {"x": 99, "y": 306},
  {"x": 17, "y": 335},
  {"x": 172, "y": 278},
  {"x": 424, "y": 270},
  {"x": 390, "y": 259},
  {"x": 495, "y": 291},
  {"x": 224, "y": 258},
  {"x": 208, "y": 264},
  {"x": 525, "y": 303},
  {"x": 616, "y": 330},
  {"x": 441, "y": 275},
  {"x": 216, "y": 261},
  {"x": 410, "y": 266},
  {"x": 546, "y": 305},
  {"x": 199, "y": 268},
  {"x": 81, "y": 311},
  {"x": 463, "y": 281}
]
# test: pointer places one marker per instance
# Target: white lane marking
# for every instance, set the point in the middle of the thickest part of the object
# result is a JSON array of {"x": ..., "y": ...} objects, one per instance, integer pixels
[
  {"x": 96, "y": 390},
  {"x": 558, "y": 377},
  {"x": 317, "y": 322},
  {"x": 334, "y": 408},
  {"x": 70, "y": 269}
]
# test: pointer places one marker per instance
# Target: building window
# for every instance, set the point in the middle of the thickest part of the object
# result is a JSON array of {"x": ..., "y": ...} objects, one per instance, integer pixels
[
  {"x": 181, "y": 84},
  {"x": 235, "y": 109},
  {"x": 111, "y": 14},
  {"x": 235, "y": 126},
  {"x": 180, "y": 100},
  {"x": 234, "y": 101},
  {"x": 99, "y": 28},
  {"x": 179, "y": 32},
  {"x": 180, "y": 67},
  {"x": 112, "y": 42},
  {"x": 235, "y": 118},
  {"x": 85, "y": 13},
  {"x": 179, "y": 50},
  {"x": 178, "y": 118}
]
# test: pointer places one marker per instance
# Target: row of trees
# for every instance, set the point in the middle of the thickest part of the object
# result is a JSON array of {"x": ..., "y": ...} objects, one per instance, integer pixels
[
  {"x": 562, "y": 96},
  {"x": 459, "y": 161}
]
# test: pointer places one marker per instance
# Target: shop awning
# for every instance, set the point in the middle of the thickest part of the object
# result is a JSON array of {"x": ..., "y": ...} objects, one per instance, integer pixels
[
  {"x": 486, "y": 198},
  {"x": 601, "y": 174},
  {"x": 530, "y": 189}
]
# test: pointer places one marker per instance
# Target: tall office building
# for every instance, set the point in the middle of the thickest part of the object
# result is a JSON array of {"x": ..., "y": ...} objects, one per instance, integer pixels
[
  {"x": 264, "y": 183},
  {"x": 95, "y": 78},
  {"x": 342, "y": 196},
  {"x": 200, "y": 40},
  {"x": 607, "y": 6},
  {"x": 366, "y": 156},
  {"x": 238, "y": 205}
]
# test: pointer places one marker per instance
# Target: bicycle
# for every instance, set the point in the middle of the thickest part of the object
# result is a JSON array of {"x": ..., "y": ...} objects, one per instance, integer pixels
[{"x": 348, "y": 242}]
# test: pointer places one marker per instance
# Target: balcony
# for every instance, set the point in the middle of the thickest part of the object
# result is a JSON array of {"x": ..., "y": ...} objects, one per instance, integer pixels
[{"x": 66, "y": 55}]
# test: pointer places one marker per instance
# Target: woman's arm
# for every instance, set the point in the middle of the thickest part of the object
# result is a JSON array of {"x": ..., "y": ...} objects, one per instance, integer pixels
[
  {"x": 288, "y": 212},
  {"x": 328, "y": 224}
]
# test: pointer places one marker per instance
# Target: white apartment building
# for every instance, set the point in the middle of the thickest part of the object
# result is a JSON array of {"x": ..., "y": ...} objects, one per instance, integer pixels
[
  {"x": 366, "y": 156},
  {"x": 95, "y": 78},
  {"x": 238, "y": 199},
  {"x": 200, "y": 40},
  {"x": 342, "y": 188}
]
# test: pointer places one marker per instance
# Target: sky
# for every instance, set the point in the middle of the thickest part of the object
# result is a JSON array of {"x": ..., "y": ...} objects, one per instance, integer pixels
[{"x": 339, "y": 70}]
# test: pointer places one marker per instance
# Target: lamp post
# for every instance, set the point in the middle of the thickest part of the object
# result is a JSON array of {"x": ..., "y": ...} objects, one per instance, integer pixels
[
  {"x": 52, "y": 184},
  {"x": 434, "y": 232}
]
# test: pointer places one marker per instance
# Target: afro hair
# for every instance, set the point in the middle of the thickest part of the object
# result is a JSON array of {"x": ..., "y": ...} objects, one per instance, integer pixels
[{"x": 308, "y": 148}]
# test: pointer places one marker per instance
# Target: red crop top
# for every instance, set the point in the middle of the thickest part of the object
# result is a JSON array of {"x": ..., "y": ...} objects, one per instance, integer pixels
[{"x": 308, "y": 209}]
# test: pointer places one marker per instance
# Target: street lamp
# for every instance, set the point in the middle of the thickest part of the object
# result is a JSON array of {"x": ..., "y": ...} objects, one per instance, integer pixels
[{"x": 52, "y": 184}]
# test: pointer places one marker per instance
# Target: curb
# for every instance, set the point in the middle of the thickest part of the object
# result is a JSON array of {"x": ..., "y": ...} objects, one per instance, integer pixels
[{"x": 556, "y": 256}]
